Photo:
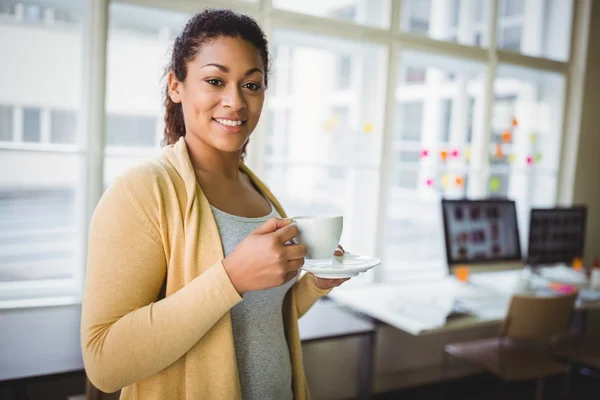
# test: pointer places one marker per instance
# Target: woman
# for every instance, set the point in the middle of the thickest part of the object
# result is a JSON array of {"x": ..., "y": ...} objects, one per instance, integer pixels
[{"x": 192, "y": 287}]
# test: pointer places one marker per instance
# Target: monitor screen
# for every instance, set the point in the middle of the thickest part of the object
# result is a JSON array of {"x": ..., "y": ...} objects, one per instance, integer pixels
[
  {"x": 556, "y": 235},
  {"x": 480, "y": 231}
]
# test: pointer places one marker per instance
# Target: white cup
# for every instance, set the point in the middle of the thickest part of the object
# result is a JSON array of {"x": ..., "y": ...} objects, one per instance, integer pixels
[
  {"x": 595, "y": 279},
  {"x": 320, "y": 235}
]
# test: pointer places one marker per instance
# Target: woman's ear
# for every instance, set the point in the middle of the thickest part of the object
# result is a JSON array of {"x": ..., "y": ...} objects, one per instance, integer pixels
[{"x": 175, "y": 88}]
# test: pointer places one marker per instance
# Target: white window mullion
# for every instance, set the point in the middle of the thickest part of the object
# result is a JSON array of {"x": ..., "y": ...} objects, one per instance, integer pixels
[
  {"x": 480, "y": 164},
  {"x": 90, "y": 184},
  {"x": 17, "y": 124},
  {"x": 45, "y": 125},
  {"x": 387, "y": 150}
]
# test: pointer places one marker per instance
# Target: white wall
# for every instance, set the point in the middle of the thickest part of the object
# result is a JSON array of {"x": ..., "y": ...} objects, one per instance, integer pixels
[{"x": 39, "y": 341}]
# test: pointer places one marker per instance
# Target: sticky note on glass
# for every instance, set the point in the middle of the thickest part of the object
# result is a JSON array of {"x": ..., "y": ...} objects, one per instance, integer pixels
[
  {"x": 506, "y": 136},
  {"x": 424, "y": 153},
  {"x": 445, "y": 180},
  {"x": 468, "y": 154},
  {"x": 368, "y": 128},
  {"x": 499, "y": 151},
  {"x": 459, "y": 180},
  {"x": 494, "y": 185},
  {"x": 429, "y": 182},
  {"x": 514, "y": 122}
]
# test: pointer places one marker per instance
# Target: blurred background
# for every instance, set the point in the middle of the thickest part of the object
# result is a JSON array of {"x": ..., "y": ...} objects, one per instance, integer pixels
[{"x": 376, "y": 109}]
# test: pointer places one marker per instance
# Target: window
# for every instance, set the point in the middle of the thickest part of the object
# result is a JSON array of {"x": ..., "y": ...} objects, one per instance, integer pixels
[
  {"x": 64, "y": 126},
  {"x": 332, "y": 143},
  {"x": 432, "y": 149},
  {"x": 464, "y": 22},
  {"x": 6, "y": 124},
  {"x": 365, "y": 12},
  {"x": 138, "y": 49},
  {"x": 41, "y": 217},
  {"x": 526, "y": 132},
  {"x": 31, "y": 124},
  {"x": 536, "y": 28},
  {"x": 326, "y": 133},
  {"x": 344, "y": 74},
  {"x": 130, "y": 131}
]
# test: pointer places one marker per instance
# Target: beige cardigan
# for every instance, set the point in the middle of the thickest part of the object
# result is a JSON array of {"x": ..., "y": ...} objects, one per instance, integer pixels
[{"x": 155, "y": 318}]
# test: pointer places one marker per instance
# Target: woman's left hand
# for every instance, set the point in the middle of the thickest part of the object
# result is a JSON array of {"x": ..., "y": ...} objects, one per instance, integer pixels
[{"x": 326, "y": 284}]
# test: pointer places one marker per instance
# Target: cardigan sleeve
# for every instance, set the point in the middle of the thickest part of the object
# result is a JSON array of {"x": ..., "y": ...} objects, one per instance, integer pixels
[
  {"x": 306, "y": 293},
  {"x": 126, "y": 334}
]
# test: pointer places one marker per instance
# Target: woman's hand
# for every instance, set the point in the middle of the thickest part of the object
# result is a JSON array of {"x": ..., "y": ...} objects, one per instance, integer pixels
[
  {"x": 263, "y": 260},
  {"x": 326, "y": 284}
]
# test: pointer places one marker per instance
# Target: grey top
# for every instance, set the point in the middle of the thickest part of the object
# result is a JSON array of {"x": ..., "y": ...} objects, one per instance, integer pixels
[{"x": 261, "y": 349}]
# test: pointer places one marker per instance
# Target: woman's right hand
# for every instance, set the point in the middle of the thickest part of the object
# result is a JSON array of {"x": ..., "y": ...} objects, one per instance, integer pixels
[{"x": 263, "y": 259}]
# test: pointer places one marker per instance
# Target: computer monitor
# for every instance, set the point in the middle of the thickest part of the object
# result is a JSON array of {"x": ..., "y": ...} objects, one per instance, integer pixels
[
  {"x": 482, "y": 234},
  {"x": 556, "y": 235}
]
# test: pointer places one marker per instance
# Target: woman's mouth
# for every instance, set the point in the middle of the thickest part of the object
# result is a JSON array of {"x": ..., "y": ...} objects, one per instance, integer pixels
[{"x": 230, "y": 125}]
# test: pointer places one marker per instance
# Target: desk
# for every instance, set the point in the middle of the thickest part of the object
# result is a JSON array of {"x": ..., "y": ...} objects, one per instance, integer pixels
[
  {"x": 327, "y": 320},
  {"x": 421, "y": 309}
]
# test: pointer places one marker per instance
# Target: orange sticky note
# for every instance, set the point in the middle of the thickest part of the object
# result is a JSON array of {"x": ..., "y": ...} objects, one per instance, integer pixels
[
  {"x": 506, "y": 136},
  {"x": 499, "y": 152},
  {"x": 577, "y": 264},
  {"x": 459, "y": 181},
  {"x": 443, "y": 155},
  {"x": 462, "y": 273},
  {"x": 514, "y": 121}
]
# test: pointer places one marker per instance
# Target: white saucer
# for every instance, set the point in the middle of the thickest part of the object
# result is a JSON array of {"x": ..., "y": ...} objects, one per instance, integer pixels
[{"x": 337, "y": 267}]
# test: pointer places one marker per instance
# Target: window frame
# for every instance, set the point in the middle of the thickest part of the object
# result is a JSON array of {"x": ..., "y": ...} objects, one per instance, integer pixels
[{"x": 91, "y": 121}]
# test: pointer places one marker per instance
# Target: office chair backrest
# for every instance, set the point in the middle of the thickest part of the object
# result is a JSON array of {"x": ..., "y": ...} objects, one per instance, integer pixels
[{"x": 534, "y": 317}]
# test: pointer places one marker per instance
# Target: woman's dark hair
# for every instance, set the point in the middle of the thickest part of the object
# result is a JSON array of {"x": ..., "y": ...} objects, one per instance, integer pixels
[{"x": 200, "y": 30}]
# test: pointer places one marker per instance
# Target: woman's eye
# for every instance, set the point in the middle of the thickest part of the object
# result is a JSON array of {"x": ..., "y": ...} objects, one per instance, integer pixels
[
  {"x": 214, "y": 82},
  {"x": 252, "y": 86}
]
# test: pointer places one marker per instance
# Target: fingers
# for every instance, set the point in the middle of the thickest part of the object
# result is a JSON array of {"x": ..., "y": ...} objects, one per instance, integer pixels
[
  {"x": 295, "y": 251},
  {"x": 339, "y": 251},
  {"x": 287, "y": 232},
  {"x": 272, "y": 225},
  {"x": 291, "y": 275},
  {"x": 294, "y": 265}
]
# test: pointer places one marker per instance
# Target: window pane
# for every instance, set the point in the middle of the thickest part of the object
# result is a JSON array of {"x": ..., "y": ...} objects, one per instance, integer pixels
[
  {"x": 325, "y": 132},
  {"x": 131, "y": 131},
  {"x": 540, "y": 28},
  {"x": 462, "y": 21},
  {"x": 365, "y": 12},
  {"x": 37, "y": 215},
  {"x": 436, "y": 121},
  {"x": 6, "y": 124},
  {"x": 526, "y": 133},
  {"x": 138, "y": 50},
  {"x": 64, "y": 126},
  {"x": 40, "y": 215},
  {"x": 31, "y": 124}
]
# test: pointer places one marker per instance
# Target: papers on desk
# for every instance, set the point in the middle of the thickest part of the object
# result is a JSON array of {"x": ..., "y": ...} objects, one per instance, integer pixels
[
  {"x": 419, "y": 308},
  {"x": 589, "y": 295}
]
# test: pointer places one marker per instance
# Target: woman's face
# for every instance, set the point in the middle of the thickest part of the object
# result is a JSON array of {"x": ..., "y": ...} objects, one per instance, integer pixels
[{"x": 223, "y": 93}]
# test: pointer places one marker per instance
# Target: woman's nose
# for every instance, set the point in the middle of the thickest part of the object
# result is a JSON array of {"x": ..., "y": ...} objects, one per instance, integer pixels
[{"x": 233, "y": 98}]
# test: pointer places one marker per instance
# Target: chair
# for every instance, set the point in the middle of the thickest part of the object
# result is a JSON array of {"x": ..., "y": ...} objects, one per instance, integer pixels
[
  {"x": 521, "y": 352},
  {"x": 580, "y": 353}
]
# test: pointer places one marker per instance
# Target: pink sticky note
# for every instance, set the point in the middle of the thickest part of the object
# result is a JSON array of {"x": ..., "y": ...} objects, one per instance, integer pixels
[
  {"x": 429, "y": 182},
  {"x": 454, "y": 153},
  {"x": 529, "y": 160},
  {"x": 424, "y": 153}
]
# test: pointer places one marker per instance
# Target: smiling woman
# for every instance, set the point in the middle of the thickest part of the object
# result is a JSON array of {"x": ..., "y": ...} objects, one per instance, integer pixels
[{"x": 177, "y": 243}]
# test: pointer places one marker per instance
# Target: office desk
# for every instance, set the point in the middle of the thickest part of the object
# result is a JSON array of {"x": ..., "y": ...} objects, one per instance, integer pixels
[
  {"x": 421, "y": 309},
  {"x": 327, "y": 320}
]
